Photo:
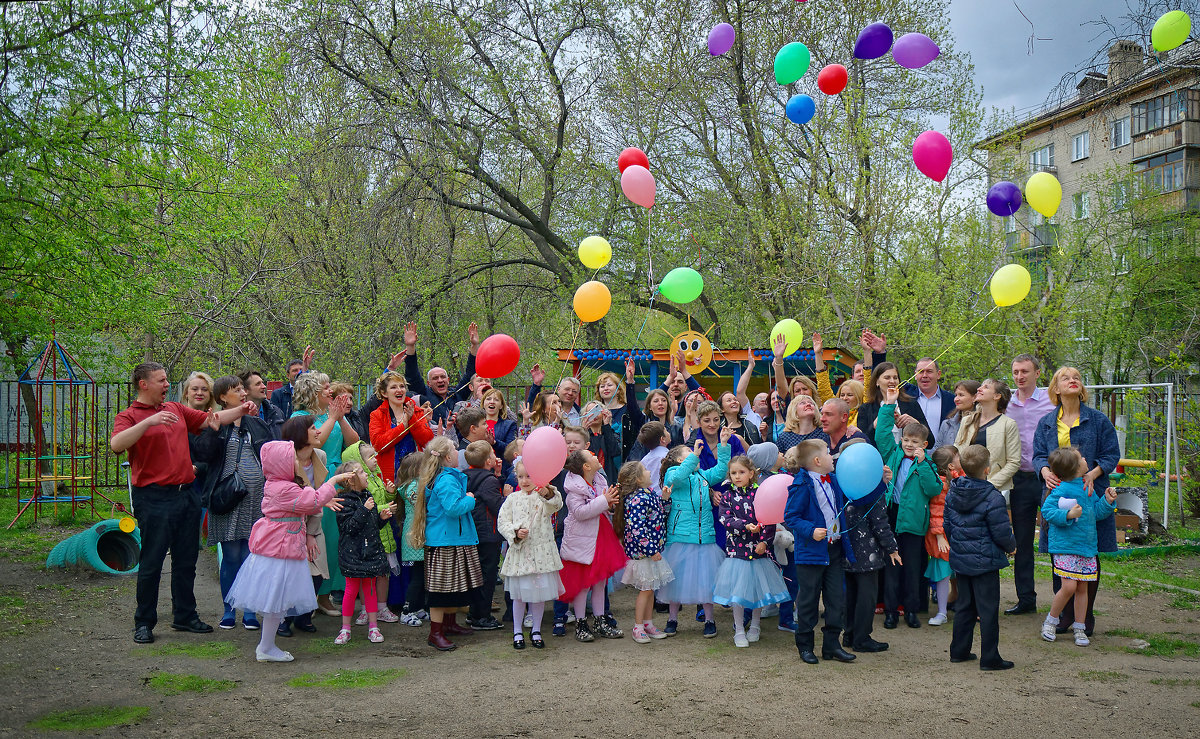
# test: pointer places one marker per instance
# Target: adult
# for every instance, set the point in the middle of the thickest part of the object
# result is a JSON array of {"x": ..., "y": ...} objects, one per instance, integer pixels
[
  {"x": 502, "y": 430},
  {"x": 964, "y": 402},
  {"x": 302, "y": 431},
  {"x": 733, "y": 416},
  {"x": 196, "y": 392},
  {"x": 435, "y": 385},
  {"x": 933, "y": 402},
  {"x": 567, "y": 390},
  {"x": 282, "y": 397},
  {"x": 612, "y": 393},
  {"x": 988, "y": 427},
  {"x": 801, "y": 425},
  {"x": 1073, "y": 423},
  {"x": 398, "y": 426},
  {"x": 754, "y": 412},
  {"x": 256, "y": 392},
  {"x": 852, "y": 394},
  {"x": 679, "y": 382},
  {"x": 1028, "y": 405},
  {"x": 154, "y": 433},
  {"x": 886, "y": 377},
  {"x": 835, "y": 422},
  {"x": 657, "y": 407}
]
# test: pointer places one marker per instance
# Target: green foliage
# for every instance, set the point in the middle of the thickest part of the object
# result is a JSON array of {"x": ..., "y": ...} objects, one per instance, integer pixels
[
  {"x": 91, "y": 718},
  {"x": 1160, "y": 645},
  {"x": 347, "y": 679},
  {"x": 171, "y": 684},
  {"x": 200, "y": 650}
]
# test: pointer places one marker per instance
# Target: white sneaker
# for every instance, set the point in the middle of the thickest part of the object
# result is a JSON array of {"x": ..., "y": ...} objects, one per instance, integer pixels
[
  {"x": 1048, "y": 631},
  {"x": 570, "y": 617},
  {"x": 422, "y": 614},
  {"x": 361, "y": 619},
  {"x": 528, "y": 622},
  {"x": 386, "y": 615},
  {"x": 740, "y": 640},
  {"x": 753, "y": 633},
  {"x": 281, "y": 657},
  {"x": 640, "y": 636},
  {"x": 938, "y": 620},
  {"x": 1081, "y": 638},
  {"x": 410, "y": 619}
]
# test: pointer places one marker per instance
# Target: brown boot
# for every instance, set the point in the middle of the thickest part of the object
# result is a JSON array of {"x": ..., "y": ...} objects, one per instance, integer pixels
[
  {"x": 437, "y": 637},
  {"x": 450, "y": 626}
]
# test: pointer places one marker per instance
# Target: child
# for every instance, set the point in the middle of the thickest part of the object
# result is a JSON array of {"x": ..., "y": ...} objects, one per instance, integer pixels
[
  {"x": 602, "y": 440},
  {"x": 915, "y": 483},
  {"x": 748, "y": 578},
  {"x": 977, "y": 525},
  {"x": 654, "y": 439},
  {"x": 590, "y": 550},
  {"x": 640, "y": 521},
  {"x": 814, "y": 516},
  {"x": 1072, "y": 536},
  {"x": 531, "y": 566},
  {"x": 360, "y": 550},
  {"x": 511, "y": 452},
  {"x": 768, "y": 460},
  {"x": 274, "y": 580},
  {"x": 384, "y": 492},
  {"x": 870, "y": 539},
  {"x": 485, "y": 486},
  {"x": 412, "y": 556},
  {"x": 708, "y": 415},
  {"x": 692, "y": 550},
  {"x": 938, "y": 571},
  {"x": 577, "y": 440}
]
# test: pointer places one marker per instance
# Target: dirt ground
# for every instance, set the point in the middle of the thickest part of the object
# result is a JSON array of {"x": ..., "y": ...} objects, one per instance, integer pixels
[{"x": 76, "y": 650}]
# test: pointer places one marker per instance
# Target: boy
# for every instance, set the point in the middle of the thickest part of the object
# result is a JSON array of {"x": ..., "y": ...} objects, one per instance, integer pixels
[
  {"x": 471, "y": 425},
  {"x": 916, "y": 482},
  {"x": 980, "y": 534},
  {"x": 814, "y": 516},
  {"x": 655, "y": 440},
  {"x": 485, "y": 486}
]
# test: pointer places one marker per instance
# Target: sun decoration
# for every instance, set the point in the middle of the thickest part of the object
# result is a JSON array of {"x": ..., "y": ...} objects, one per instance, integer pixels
[{"x": 697, "y": 349}]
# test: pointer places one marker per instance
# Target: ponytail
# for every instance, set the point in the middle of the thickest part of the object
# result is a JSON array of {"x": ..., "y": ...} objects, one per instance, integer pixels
[{"x": 437, "y": 450}]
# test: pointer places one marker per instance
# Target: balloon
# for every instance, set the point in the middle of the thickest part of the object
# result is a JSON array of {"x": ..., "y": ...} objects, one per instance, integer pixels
[
  {"x": 497, "y": 355},
  {"x": 914, "y": 50},
  {"x": 1010, "y": 285},
  {"x": 932, "y": 154},
  {"x": 791, "y": 62},
  {"x": 1043, "y": 192},
  {"x": 638, "y": 185},
  {"x": 720, "y": 39},
  {"x": 631, "y": 156},
  {"x": 681, "y": 285},
  {"x": 595, "y": 252},
  {"x": 791, "y": 331},
  {"x": 544, "y": 454},
  {"x": 1170, "y": 30},
  {"x": 800, "y": 109},
  {"x": 592, "y": 301},
  {"x": 832, "y": 79},
  {"x": 859, "y": 470},
  {"x": 1004, "y": 199},
  {"x": 771, "y": 499},
  {"x": 873, "y": 41}
]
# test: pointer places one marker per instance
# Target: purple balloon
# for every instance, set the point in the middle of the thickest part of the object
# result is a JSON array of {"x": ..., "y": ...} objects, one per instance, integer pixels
[
  {"x": 720, "y": 39},
  {"x": 1004, "y": 199},
  {"x": 914, "y": 50},
  {"x": 873, "y": 41}
]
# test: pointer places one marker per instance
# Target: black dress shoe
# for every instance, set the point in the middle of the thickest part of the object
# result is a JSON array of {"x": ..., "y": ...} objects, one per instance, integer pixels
[
  {"x": 519, "y": 642},
  {"x": 913, "y": 620},
  {"x": 968, "y": 658},
  {"x": 809, "y": 656},
  {"x": 872, "y": 646},
  {"x": 891, "y": 620},
  {"x": 1020, "y": 608},
  {"x": 143, "y": 635},
  {"x": 306, "y": 626},
  {"x": 285, "y": 629},
  {"x": 1001, "y": 665},
  {"x": 536, "y": 640},
  {"x": 195, "y": 626},
  {"x": 841, "y": 655},
  {"x": 661, "y": 608}
]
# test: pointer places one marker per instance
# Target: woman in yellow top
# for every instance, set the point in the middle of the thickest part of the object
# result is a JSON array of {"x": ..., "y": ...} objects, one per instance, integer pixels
[{"x": 850, "y": 391}]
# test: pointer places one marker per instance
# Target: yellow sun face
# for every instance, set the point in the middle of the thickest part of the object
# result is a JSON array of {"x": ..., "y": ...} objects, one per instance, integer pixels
[{"x": 697, "y": 350}]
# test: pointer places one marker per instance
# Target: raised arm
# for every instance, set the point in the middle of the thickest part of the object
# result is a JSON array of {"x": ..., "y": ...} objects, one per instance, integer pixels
[
  {"x": 781, "y": 381},
  {"x": 744, "y": 380}
]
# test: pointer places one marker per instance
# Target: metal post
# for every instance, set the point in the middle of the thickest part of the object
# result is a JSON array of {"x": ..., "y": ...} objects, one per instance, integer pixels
[{"x": 1167, "y": 464}]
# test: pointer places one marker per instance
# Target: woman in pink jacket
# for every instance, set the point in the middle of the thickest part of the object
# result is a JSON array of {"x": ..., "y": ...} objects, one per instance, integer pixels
[
  {"x": 274, "y": 581},
  {"x": 590, "y": 551}
]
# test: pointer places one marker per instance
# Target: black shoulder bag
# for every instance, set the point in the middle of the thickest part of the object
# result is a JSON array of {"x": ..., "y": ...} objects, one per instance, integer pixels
[{"x": 229, "y": 490}]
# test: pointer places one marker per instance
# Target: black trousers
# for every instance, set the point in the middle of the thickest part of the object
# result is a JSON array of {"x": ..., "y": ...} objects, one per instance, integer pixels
[
  {"x": 1024, "y": 501},
  {"x": 815, "y": 582},
  {"x": 481, "y": 597},
  {"x": 860, "y": 606},
  {"x": 414, "y": 599},
  {"x": 978, "y": 595},
  {"x": 169, "y": 519},
  {"x": 903, "y": 584}
]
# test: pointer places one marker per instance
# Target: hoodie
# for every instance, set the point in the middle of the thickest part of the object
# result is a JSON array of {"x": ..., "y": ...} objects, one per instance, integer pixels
[
  {"x": 280, "y": 532},
  {"x": 977, "y": 526}
]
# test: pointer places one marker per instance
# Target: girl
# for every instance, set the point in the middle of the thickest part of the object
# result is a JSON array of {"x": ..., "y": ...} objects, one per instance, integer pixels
[
  {"x": 964, "y": 402},
  {"x": 398, "y": 427},
  {"x": 801, "y": 424},
  {"x": 936, "y": 545},
  {"x": 640, "y": 521},
  {"x": 444, "y": 526},
  {"x": 732, "y": 415},
  {"x": 748, "y": 578},
  {"x": 602, "y": 441},
  {"x": 590, "y": 550},
  {"x": 274, "y": 580},
  {"x": 412, "y": 556},
  {"x": 531, "y": 566},
  {"x": 302, "y": 432},
  {"x": 384, "y": 493},
  {"x": 360, "y": 550},
  {"x": 501, "y": 428}
]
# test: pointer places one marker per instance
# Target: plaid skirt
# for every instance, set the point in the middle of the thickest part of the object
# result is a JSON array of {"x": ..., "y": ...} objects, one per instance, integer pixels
[{"x": 451, "y": 573}]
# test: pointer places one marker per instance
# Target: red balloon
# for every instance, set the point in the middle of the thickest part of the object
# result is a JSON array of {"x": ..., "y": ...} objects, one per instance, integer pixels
[
  {"x": 497, "y": 356},
  {"x": 832, "y": 79},
  {"x": 631, "y": 156}
]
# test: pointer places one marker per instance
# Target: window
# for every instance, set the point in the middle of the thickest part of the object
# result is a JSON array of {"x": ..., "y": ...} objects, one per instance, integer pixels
[
  {"x": 1120, "y": 132},
  {"x": 1082, "y": 205},
  {"x": 1161, "y": 111},
  {"x": 1120, "y": 195},
  {"x": 1079, "y": 146},
  {"x": 1164, "y": 173},
  {"x": 1043, "y": 157}
]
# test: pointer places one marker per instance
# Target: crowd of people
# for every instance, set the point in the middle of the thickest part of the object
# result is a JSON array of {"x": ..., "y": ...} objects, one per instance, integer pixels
[{"x": 415, "y": 506}]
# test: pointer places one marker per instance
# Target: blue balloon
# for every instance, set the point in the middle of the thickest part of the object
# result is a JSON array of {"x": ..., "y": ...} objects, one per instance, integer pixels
[
  {"x": 859, "y": 470},
  {"x": 800, "y": 109}
]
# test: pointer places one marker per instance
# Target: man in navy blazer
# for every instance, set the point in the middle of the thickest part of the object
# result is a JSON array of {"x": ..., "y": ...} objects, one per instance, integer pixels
[{"x": 936, "y": 404}]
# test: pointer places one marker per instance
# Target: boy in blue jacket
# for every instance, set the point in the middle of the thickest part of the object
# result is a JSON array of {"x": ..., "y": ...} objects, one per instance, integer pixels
[
  {"x": 814, "y": 516},
  {"x": 981, "y": 538}
]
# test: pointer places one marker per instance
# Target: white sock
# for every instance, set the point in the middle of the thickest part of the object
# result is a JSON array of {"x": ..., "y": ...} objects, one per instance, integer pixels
[{"x": 1052, "y": 620}]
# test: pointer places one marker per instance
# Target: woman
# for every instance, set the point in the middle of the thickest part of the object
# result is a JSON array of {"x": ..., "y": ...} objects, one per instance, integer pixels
[
  {"x": 964, "y": 401},
  {"x": 732, "y": 416},
  {"x": 989, "y": 427},
  {"x": 196, "y": 392},
  {"x": 500, "y": 426},
  {"x": 851, "y": 394},
  {"x": 302, "y": 431},
  {"x": 237, "y": 445},
  {"x": 398, "y": 426},
  {"x": 886, "y": 376},
  {"x": 657, "y": 407},
  {"x": 632, "y": 416},
  {"x": 611, "y": 393},
  {"x": 801, "y": 425},
  {"x": 1073, "y": 423},
  {"x": 546, "y": 410}
]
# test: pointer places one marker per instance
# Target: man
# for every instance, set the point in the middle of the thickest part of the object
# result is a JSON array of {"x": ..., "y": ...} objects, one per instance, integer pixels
[
  {"x": 935, "y": 403},
  {"x": 568, "y": 391},
  {"x": 1029, "y": 404},
  {"x": 256, "y": 392},
  {"x": 155, "y": 434},
  {"x": 835, "y": 421},
  {"x": 435, "y": 386},
  {"x": 282, "y": 398}
]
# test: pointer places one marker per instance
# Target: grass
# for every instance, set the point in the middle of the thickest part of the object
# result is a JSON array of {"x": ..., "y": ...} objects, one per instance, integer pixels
[
  {"x": 92, "y": 717},
  {"x": 326, "y": 646},
  {"x": 1103, "y": 676},
  {"x": 203, "y": 650},
  {"x": 1174, "y": 682},
  {"x": 1161, "y": 645},
  {"x": 347, "y": 679},
  {"x": 16, "y": 615},
  {"x": 30, "y": 542},
  {"x": 171, "y": 684}
]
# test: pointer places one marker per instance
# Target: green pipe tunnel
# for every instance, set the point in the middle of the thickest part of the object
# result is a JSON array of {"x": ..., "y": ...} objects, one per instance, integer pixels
[{"x": 106, "y": 547}]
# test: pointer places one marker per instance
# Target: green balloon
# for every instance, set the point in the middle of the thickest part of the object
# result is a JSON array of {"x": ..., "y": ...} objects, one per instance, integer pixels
[
  {"x": 791, "y": 62},
  {"x": 1171, "y": 30},
  {"x": 681, "y": 285}
]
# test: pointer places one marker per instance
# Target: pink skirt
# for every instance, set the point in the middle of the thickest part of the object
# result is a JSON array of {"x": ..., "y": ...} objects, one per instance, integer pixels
[{"x": 608, "y": 559}]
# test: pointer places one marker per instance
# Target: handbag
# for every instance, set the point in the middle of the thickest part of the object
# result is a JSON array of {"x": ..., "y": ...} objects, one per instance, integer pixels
[{"x": 229, "y": 490}]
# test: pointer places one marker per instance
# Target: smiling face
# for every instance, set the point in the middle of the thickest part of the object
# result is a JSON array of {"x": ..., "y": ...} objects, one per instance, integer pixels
[
  {"x": 198, "y": 394},
  {"x": 889, "y": 379},
  {"x": 576, "y": 442},
  {"x": 805, "y": 407},
  {"x": 986, "y": 394},
  {"x": 256, "y": 388},
  {"x": 325, "y": 397},
  {"x": 928, "y": 375},
  {"x": 438, "y": 381},
  {"x": 848, "y": 396},
  {"x": 963, "y": 400},
  {"x": 606, "y": 389},
  {"x": 858, "y": 373},
  {"x": 696, "y": 348},
  {"x": 711, "y": 424},
  {"x": 493, "y": 404},
  {"x": 553, "y": 408},
  {"x": 234, "y": 396},
  {"x": 396, "y": 391},
  {"x": 659, "y": 405},
  {"x": 524, "y": 481},
  {"x": 761, "y": 404},
  {"x": 568, "y": 392},
  {"x": 729, "y": 404},
  {"x": 1068, "y": 381}
]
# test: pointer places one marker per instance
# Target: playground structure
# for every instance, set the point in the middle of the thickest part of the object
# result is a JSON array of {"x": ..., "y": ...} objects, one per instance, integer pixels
[{"x": 111, "y": 547}]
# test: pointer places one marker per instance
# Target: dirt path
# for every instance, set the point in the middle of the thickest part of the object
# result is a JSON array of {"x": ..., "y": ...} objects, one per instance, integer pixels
[{"x": 75, "y": 650}]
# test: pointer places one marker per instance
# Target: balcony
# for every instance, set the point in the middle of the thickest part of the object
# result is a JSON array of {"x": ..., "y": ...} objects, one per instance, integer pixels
[
  {"x": 1050, "y": 168},
  {"x": 1184, "y": 133}
]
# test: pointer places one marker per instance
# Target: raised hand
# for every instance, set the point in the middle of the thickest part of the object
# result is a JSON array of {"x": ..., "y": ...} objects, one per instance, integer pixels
[
  {"x": 919, "y": 455},
  {"x": 891, "y": 395},
  {"x": 697, "y": 447},
  {"x": 307, "y": 357},
  {"x": 369, "y": 503},
  {"x": 878, "y": 343},
  {"x": 779, "y": 347},
  {"x": 473, "y": 337},
  {"x": 865, "y": 342},
  {"x": 395, "y": 361},
  {"x": 612, "y": 494},
  {"x": 410, "y": 337},
  {"x": 537, "y": 374},
  {"x": 726, "y": 434},
  {"x": 526, "y": 413},
  {"x": 750, "y": 360},
  {"x": 211, "y": 420},
  {"x": 629, "y": 370},
  {"x": 818, "y": 343}
]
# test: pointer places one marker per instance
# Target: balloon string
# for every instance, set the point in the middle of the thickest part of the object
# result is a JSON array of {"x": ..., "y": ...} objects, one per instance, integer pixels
[
  {"x": 562, "y": 371},
  {"x": 952, "y": 343},
  {"x": 431, "y": 410},
  {"x": 649, "y": 256},
  {"x": 650, "y": 307}
]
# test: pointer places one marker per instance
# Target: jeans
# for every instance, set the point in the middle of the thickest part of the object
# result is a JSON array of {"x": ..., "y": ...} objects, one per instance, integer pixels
[
  {"x": 169, "y": 519},
  {"x": 233, "y": 555},
  {"x": 1024, "y": 501},
  {"x": 817, "y": 582}
]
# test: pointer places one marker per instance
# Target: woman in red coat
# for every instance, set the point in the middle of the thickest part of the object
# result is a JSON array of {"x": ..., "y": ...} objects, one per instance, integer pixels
[{"x": 399, "y": 426}]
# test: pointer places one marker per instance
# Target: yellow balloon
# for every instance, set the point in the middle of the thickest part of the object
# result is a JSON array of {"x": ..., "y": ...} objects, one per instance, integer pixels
[
  {"x": 1043, "y": 193},
  {"x": 791, "y": 331},
  {"x": 1010, "y": 285},
  {"x": 592, "y": 301},
  {"x": 595, "y": 252}
]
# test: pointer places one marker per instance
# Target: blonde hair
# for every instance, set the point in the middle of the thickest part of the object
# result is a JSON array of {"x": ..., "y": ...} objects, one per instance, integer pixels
[
  {"x": 437, "y": 450},
  {"x": 208, "y": 381},
  {"x": 792, "y": 419},
  {"x": 806, "y": 381},
  {"x": 339, "y": 387},
  {"x": 1052, "y": 388},
  {"x": 387, "y": 378},
  {"x": 503, "y": 403},
  {"x": 620, "y": 396},
  {"x": 307, "y": 395},
  {"x": 348, "y": 467},
  {"x": 856, "y": 387}
]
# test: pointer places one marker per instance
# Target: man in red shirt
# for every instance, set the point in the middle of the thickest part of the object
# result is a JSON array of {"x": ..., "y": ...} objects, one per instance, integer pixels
[{"x": 155, "y": 434}]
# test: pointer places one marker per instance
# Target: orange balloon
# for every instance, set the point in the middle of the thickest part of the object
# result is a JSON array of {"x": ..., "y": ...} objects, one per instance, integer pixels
[{"x": 592, "y": 301}]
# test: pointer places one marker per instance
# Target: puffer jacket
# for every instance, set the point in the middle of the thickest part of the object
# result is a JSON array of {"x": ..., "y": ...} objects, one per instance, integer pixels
[
  {"x": 280, "y": 532},
  {"x": 585, "y": 503},
  {"x": 690, "y": 520},
  {"x": 375, "y": 484},
  {"x": 448, "y": 509},
  {"x": 977, "y": 526},
  {"x": 360, "y": 549},
  {"x": 485, "y": 486},
  {"x": 869, "y": 532},
  {"x": 1075, "y": 535}
]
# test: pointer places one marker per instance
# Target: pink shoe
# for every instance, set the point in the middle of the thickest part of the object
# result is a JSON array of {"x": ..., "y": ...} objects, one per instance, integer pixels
[
  {"x": 374, "y": 635},
  {"x": 386, "y": 616},
  {"x": 654, "y": 633},
  {"x": 361, "y": 619},
  {"x": 342, "y": 637}
]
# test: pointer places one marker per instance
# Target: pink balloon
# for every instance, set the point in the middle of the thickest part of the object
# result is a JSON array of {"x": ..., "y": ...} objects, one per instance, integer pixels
[
  {"x": 771, "y": 499},
  {"x": 544, "y": 454},
  {"x": 932, "y": 155},
  {"x": 638, "y": 185}
]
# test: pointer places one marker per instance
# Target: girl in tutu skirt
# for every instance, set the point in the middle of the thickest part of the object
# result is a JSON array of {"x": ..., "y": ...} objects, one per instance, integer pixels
[
  {"x": 692, "y": 551},
  {"x": 591, "y": 551},
  {"x": 748, "y": 578},
  {"x": 530, "y": 569},
  {"x": 640, "y": 521},
  {"x": 274, "y": 582}
]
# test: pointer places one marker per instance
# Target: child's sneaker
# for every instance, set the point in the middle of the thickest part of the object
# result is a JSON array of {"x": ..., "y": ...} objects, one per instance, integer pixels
[
  {"x": 1048, "y": 631},
  {"x": 423, "y": 614},
  {"x": 653, "y": 632},
  {"x": 361, "y": 619},
  {"x": 582, "y": 631},
  {"x": 411, "y": 619},
  {"x": 789, "y": 626},
  {"x": 386, "y": 615},
  {"x": 1081, "y": 637},
  {"x": 560, "y": 628},
  {"x": 374, "y": 635},
  {"x": 639, "y": 635},
  {"x": 671, "y": 627},
  {"x": 342, "y": 637},
  {"x": 753, "y": 634},
  {"x": 938, "y": 620},
  {"x": 570, "y": 617},
  {"x": 740, "y": 640},
  {"x": 710, "y": 629}
]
